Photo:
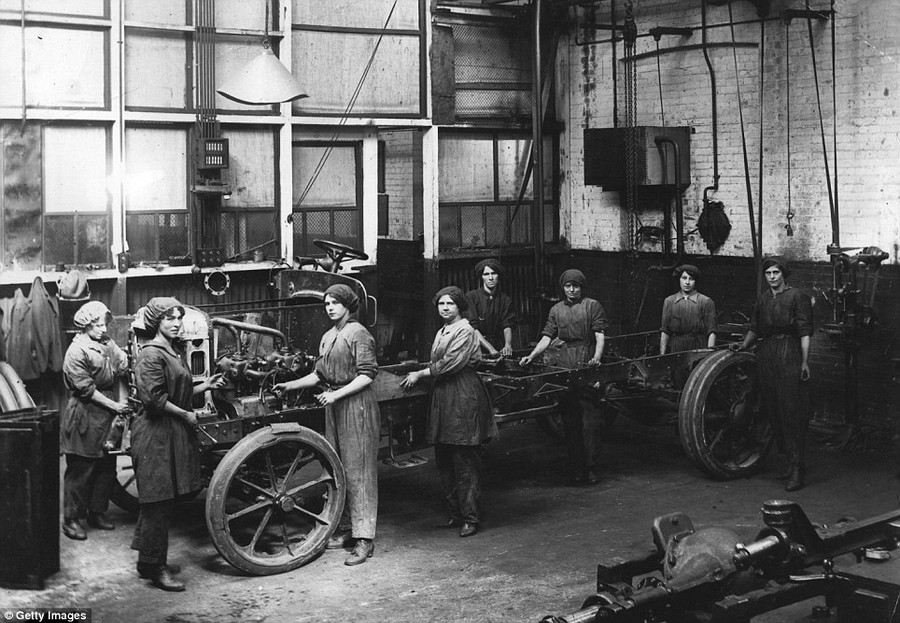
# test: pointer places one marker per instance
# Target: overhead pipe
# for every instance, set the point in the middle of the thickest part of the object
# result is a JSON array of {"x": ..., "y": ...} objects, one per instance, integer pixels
[
  {"x": 679, "y": 205},
  {"x": 249, "y": 327}
]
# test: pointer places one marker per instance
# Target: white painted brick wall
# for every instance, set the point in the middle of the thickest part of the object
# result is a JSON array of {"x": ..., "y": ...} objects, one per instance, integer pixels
[{"x": 868, "y": 121}]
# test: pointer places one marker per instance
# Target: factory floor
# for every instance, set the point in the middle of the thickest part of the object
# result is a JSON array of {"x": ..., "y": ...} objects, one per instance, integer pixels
[{"x": 536, "y": 554}]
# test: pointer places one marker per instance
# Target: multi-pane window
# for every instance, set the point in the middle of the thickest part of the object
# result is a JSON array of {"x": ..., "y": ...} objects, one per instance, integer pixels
[
  {"x": 479, "y": 180},
  {"x": 249, "y": 218},
  {"x": 327, "y": 195},
  {"x": 55, "y": 198},
  {"x": 156, "y": 197}
]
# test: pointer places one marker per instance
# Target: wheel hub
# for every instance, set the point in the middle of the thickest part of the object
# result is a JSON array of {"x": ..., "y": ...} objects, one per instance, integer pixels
[{"x": 285, "y": 503}]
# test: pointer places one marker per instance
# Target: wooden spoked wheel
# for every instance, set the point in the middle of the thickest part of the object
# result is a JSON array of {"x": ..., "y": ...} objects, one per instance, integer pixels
[
  {"x": 719, "y": 418},
  {"x": 275, "y": 499}
]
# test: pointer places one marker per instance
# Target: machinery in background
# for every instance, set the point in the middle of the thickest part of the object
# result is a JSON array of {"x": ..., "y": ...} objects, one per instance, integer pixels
[{"x": 710, "y": 575}]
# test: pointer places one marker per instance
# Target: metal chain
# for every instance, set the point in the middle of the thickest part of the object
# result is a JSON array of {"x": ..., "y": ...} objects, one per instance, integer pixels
[{"x": 630, "y": 41}]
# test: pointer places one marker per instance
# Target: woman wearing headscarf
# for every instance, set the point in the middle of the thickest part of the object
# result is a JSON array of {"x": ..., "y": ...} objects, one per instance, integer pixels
[
  {"x": 576, "y": 328},
  {"x": 688, "y": 317},
  {"x": 165, "y": 448},
  {"x": 782, "y": 322},
  {"x": 91, "y": 367},
  {"x": 490, "y": 310},
  {"x": 346, "y": 368},
  {"x": 460, "y": 416}
]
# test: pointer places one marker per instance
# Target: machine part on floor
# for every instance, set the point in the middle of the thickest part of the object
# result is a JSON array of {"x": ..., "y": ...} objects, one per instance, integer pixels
[{"x": 710, "y": 575}]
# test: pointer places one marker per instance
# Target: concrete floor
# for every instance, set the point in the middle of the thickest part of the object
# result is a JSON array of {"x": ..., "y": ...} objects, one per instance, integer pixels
[{"x": 536, "y": 555}]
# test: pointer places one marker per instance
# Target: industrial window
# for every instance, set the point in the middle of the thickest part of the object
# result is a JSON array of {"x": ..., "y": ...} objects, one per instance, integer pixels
[
  {"x": 55, "y": 203},
  {"x": 249, "y": 219},
  {"x": 156, "y": 202},
  {"x": 480, "y": 176},
  {"x": 327, "y": 195},
  {"x": 76, "y": 79},
  {"x": 340, "y": 37}
]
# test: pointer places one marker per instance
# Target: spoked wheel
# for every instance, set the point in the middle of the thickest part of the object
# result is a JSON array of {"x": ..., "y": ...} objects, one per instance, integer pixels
[
  {"x": 719, "y": 418},
  {"x": 275, "y": 499},
  {"x": 124, "y": 492}
]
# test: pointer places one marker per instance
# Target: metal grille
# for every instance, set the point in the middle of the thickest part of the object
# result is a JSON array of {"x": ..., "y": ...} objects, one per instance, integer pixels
[
  {"x": 494, "y": 224},
  {"x": 245, "y": 230},
  {"x": 340, "y": 225},
  {"x": 493, "y": 71},
  {"x": 76, "y": 239},
  {"x": 155, "y": 236}
]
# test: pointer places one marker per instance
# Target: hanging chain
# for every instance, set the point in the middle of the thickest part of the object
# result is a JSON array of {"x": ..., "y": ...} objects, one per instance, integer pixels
[
  {"x": 629, "y": 35},
  {"x": 789, "y": 228}
]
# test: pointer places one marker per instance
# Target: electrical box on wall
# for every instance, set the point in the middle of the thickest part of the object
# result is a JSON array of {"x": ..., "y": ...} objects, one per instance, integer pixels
[
  {"x": 605, "y": 153},
  {"x": 212, "y": 153}
]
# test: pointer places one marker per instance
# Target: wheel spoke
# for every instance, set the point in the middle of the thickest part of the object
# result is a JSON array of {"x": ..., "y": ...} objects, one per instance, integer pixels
[
  {"x": 271, "y": 471},
  {"x": 247, "y": 510},
  {"x": 325, "y": 477},
  {"x": 251, "y": 547},
  {"x": 284, "y": 537},
  {"x": 247, "y": 483},
  {"x": 296, "y": 464},
  {"x": 319, "y": 518},
  {"x": 716, "y": 439}
]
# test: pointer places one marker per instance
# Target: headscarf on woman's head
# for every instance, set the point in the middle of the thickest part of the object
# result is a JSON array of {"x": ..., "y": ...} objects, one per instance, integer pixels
[
  {"x": 494, "y": 265},
  {"x": 690, "y": 269},
  {"x": 344, "y": 295},
  {"x": 780, "y": 262},
  {"x": 89, "y": 313},
  {"x": 156, "y": 308},
  {"x": 574, "y": 275},
  {"x": 456, "y": 295}
]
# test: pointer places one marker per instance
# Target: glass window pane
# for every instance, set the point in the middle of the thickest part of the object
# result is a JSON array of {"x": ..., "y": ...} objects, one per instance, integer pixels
[
  {"x": 173, "y": 235},
  {"x": 465, "y": 169},
  {"x": 335, "y": 184},
  {"x": 75, "y": 174},
  {"x": 157, "y": 12},
  {"x": 243, "y": 14},
  {"x": 495, "y": 225},
  {"x": 21, "y": 196},
  {"x": 93, "y": 8},
  {"x": 346, "y": 227},
  {"x": 76, "y": 78},
  {"x": 512, "y": 163},
  {"x": 92, "y": 239},
  {"x": 11, "y": 66},
  {"x": 448, "y": 227},
  {"x": 251, "y": 168},
  {"x": 59, "y": 243},
  {"x": 347, "y": 13},
  {"x": 155, "y": 169},
  {"x": 155, "y": 69},
  {"x": 392, "y": 84},
  {"x": 140, "y": 230},
  {"x": 472, "y": 226}
]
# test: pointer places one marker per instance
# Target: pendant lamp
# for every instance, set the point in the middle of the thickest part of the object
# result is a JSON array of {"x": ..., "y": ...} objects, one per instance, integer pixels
[{"x": 264, "y": 81}]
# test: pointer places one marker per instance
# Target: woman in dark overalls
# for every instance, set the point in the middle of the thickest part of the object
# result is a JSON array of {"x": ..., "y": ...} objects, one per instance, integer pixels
[
  {"x": 782, "y": 322},
  {"x": 688, "y": 317},
  {"x": 91, "y": 367},
  {"x": 165, "y": 448},
  {"x": 460, "y": 417}
]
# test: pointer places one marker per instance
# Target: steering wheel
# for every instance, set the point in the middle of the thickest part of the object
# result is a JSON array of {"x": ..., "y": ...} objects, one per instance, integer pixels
[{"x": 338, "y": 252}]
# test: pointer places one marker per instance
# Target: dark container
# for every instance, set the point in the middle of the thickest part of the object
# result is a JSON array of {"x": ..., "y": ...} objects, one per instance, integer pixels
[{"x": 29, "y": 497}]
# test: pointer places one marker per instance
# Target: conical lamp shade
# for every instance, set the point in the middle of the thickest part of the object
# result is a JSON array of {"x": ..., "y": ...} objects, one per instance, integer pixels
[{"x": 264, "y": 80}]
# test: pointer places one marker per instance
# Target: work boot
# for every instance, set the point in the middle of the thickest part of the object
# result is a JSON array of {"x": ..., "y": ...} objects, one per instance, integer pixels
[
  {"x": 362, "y": 551},
  {"x": 795, "y": 478},
  {"x": 99, "y": 521},
  {"x": 468, "y": 529},
  {"x": 73, "y": 529},
  {"x": 161, "y": 578},
  {"x": 146, "y": 571},
  {"x": 339, "y": 541}
]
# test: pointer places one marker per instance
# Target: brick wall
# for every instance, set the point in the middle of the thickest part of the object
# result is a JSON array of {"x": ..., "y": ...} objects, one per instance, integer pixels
[
  {"x": 868, "y": 80},
  {"x": 403, "y": 150}
]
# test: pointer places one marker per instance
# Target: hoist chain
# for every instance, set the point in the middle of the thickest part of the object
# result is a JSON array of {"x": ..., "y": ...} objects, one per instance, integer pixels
[{"x": 629, "y": 35}]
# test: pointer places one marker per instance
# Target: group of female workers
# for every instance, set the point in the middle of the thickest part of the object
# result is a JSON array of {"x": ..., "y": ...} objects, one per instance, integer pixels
[{"x": 460, "y": 418}]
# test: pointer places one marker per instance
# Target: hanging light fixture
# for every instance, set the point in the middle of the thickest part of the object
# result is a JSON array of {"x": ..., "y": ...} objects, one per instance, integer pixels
[{"x": 264, "y": 80}]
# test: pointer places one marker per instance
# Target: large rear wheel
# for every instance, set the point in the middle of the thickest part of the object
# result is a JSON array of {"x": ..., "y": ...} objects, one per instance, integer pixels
[
  {"x": 719, "y": 419},
  {"x": 275, "y": 499}
]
